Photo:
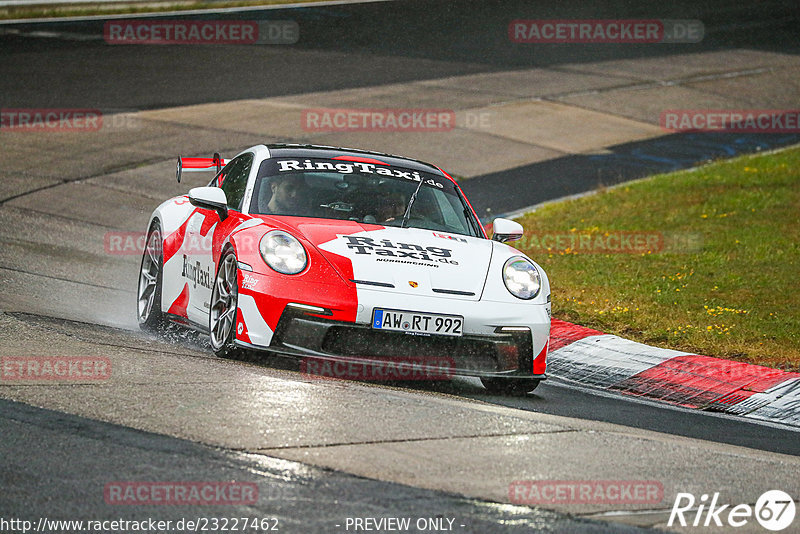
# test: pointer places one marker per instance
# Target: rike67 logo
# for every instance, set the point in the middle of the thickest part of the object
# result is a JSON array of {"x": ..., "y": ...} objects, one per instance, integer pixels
[{"x": 774, "y": 510}]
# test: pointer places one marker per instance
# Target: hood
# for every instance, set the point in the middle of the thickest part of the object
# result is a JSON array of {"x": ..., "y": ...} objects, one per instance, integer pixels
[{"x": 401, "y": 260}]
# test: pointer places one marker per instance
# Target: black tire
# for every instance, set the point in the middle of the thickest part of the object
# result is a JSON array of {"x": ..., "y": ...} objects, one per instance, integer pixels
[
  {"x": 151, "y": 273},
  {"x": 510, "y": 386},
  {"x": 222, "y": 312}
]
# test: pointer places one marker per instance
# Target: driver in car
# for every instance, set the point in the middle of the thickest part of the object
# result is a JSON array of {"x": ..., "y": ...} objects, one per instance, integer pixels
[
  {"x": 391, "y": 208},
  {"x": 287, "y": 196}
]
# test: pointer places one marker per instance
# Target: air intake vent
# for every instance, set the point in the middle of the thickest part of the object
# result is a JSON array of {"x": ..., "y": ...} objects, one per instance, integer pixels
[
  {"x": 454, "y": 292},
  {"x": 371, "y": 283}
]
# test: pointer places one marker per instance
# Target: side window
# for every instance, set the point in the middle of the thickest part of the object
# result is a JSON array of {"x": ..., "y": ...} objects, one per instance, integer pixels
[{"x": 234, "y": 179}]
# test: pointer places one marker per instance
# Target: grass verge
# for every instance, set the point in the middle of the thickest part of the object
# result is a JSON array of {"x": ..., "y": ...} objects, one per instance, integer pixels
[
  {"x": 128, "y": 8},
  {"x": 706, "y": 261}
]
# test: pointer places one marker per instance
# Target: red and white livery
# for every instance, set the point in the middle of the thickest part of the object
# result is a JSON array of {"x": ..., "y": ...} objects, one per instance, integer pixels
[{"x": 345, "y": 255}]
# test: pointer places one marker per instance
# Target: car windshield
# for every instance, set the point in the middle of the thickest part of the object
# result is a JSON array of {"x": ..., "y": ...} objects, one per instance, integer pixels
[{"x": 358, "y": 191}]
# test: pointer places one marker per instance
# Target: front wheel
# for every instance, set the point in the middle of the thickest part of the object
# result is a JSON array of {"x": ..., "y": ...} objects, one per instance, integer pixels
[
  {"x": 148, "y": 296},
  {"x": 510, "y": 386},
  {"x": 224, "y": 303}
]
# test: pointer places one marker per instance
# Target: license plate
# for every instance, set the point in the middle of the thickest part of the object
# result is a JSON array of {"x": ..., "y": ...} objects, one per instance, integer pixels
[{"x": 417, "y": 322}]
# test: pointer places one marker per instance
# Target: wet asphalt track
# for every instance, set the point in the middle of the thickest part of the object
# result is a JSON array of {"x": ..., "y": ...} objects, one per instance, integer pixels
[{"x": 63, "y": 478}]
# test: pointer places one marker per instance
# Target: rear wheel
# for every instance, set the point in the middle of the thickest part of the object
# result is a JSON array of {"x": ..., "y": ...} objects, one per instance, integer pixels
[
  {"x": 224, "y": 303},
  {"x": 510, "y": 386},
  {"x": 148, "y": 296}
]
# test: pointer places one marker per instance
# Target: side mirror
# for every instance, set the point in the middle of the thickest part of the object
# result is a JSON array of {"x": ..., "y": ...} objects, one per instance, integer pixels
[
  {"x": 210, "y": 198},
  {"x": 506, "y": 230}
]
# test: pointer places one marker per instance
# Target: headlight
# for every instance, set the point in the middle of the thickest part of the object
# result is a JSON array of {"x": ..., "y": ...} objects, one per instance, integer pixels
[
  {"x": 283, "y": 252},
  {"x": 521, "y": 278}
]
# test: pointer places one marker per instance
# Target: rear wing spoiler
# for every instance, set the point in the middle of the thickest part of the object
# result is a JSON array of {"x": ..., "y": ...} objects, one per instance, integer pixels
[{"x": 200, "y": 165}]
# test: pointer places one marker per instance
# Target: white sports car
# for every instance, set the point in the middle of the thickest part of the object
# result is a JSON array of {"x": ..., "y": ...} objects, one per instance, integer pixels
[{"x": 340, "y": 255}]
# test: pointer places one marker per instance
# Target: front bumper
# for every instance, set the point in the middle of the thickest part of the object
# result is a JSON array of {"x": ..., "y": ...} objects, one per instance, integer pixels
[{"x": 493, "y": 354}]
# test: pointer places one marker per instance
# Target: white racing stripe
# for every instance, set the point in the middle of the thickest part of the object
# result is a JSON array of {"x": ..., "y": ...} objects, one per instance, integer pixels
[
  {"x": 257, "y": 328},
  {"x": 779, "y": 403}
]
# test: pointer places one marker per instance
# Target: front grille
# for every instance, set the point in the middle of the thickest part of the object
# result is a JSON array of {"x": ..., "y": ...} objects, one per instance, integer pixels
[
  {"x": 467, "y": 353},
  {"x": 497, "y": 352}
]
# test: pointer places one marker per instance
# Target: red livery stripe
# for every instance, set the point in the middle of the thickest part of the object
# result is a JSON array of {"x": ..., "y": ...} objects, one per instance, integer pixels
[
  {"x": 179, "y": 306},
  {"x": 173, "y": 242},
  {"x": 540, "y": 362},
  {"x": 360, "y": 160}
]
